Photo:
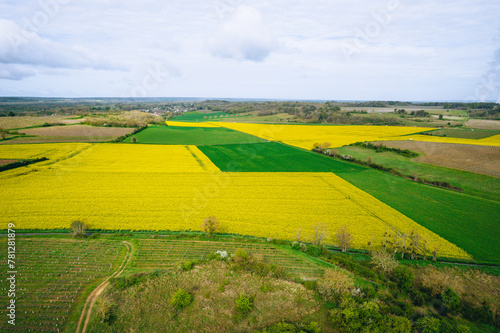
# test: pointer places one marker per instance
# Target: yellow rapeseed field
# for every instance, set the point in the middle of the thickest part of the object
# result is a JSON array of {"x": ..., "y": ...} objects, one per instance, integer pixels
[
  {"x": 304, "y": 136},
  {"x": 138, "y": 187}
]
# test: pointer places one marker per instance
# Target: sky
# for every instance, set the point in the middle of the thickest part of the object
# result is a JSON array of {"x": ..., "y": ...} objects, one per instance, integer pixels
[{"x": 407, "y": 50}]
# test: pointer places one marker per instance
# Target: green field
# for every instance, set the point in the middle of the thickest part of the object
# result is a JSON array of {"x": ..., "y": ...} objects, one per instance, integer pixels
[
  {"x": 272, "y": 157},
  {"x": 472, "y": 183},
  {"x": 201, "y": 116},
  {"x": 467, "y": 221},
  {"x": 171, "y": 135},
  {"x": 463, "y": 133}
]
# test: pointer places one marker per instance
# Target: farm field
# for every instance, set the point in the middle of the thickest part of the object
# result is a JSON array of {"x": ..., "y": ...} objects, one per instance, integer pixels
[
  {"x": 257, "y": 204},
  {"x": 472, "y": 183},
  {"x": 272, "y": 157},
  {"x": 194, "y": 116},
  {"x": 468, "y": 221},
  {"x": 304, "y": 136},
  {"x": 169, "y": 135},
  {"x": 478, "y": 159},
  {"x": 152, "y": 254},
  {"x": 483, "y": 124},
  {"x": 464, "y": 133},
  {"x": 23, "y": 122},
  {"x": 52, "y": 274}
]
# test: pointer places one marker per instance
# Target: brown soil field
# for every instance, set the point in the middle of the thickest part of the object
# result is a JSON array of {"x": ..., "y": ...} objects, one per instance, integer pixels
[
  {"x": 21, "y": 122},
  {"x": 484, "y": 124},
  {"x": 57, "y": 139},
  {"x": 78, "y": 130},
  {"x": 478, "y": 159},
  {"x": 3, "y": 162}
]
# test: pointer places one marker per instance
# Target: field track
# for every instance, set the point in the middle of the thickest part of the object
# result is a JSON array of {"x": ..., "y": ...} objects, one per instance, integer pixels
[{"x": 86, "y": 312}]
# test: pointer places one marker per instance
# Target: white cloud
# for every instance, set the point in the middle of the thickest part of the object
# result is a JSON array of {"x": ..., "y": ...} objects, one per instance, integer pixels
[
  {"x": 22, "y": 47},
  {"x": 244, "y": 36}
]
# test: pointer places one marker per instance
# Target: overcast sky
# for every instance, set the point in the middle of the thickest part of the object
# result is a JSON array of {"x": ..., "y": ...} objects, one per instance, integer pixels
[{"x": 413, "y": 50}]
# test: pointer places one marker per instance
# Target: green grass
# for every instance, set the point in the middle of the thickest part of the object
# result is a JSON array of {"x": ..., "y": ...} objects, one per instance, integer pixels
[
  {"x": 272, "y": 157},
  {"x": 169, "y": 135},
  {"x": 467, "y": 221},
  {"x": 464, "y": 133},
  {"x": 474, "y": 184},
  {"x": 200, "y": 116}
]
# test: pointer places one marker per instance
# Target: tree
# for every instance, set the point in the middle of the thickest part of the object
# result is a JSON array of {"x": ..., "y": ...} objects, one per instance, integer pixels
[
  {"x": 210, "y": 225},
  {"x": 78, "y": 229},
  {"x": 384, "y": 261},
  {"x": 134, "y": 140},
  {"x": 319, "y": 234},
  {"x": 3, "y": 133},
  {"x": 343, "y": 238}
]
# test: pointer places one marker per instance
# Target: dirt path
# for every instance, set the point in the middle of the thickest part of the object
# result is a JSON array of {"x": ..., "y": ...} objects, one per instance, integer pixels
[{"x": 87, "y": 308}]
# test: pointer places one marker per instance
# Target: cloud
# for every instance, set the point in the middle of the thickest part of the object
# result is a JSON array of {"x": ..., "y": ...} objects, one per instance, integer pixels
[
  {"x": 22, "y": 47},
  {"x": 244, "y": 36}
]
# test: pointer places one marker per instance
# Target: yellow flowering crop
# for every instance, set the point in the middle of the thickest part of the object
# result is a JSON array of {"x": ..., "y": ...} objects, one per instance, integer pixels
[
  {"x": 106, "y": 187},
  {"x": 304, "y": 136}
]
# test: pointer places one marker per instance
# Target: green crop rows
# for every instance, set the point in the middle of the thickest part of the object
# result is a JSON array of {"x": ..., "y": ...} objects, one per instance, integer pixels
[
  {"x": 160, "y": 254},
  {"x": 51, "y": 276},
  {"x": 171, "y": 135},
  {"x": 273, "y": 157}
]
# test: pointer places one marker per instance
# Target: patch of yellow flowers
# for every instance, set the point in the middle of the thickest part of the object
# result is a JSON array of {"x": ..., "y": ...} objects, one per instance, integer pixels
[{"x": 152, "y": 187}]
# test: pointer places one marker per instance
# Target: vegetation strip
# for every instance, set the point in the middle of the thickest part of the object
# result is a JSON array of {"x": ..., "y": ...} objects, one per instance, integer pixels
[{"x": 21, "y": 163}]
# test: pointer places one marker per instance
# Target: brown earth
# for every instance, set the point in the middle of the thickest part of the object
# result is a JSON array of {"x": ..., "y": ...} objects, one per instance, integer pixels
[
  {"x": 4, "y": 162},
  {"x": 78, "y": 130},
  {"x": 478, "y": 159},
  {"x": 21, "y": 122},
  {"x": 484, "y": 124}
]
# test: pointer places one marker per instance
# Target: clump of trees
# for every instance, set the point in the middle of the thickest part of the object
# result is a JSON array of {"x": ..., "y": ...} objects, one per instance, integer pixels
[
  {"x": 78, "y": 229},
  {"x": 210, "y": 226}
]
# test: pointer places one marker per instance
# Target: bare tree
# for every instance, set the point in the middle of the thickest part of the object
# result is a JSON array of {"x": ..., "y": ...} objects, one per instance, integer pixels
[
  {"x": 414, "y": 244},
  {"x": 210, "y": 225},
  {"x": 319, "y": 234},
  {"x": 403, "y": 247},
  {"x": 78, "y": 229},
  {"x": 297, "y": 234},
  {"x": 3, "y": 133},
  {"x": 343, "y": 238},
  {"x": 435, "y": 251}
]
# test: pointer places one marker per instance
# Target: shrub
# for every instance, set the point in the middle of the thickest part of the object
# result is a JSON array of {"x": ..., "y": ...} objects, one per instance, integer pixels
[
  {"x": 450, "y": 299},
  {"x": 240, "y": 255},
  {"x": 385, "y": 261},
  {"x": 313, "y": 251},
  {"x": 311, "y": 284},
  {"x": 296, "y": 245},
  {"x": 404, "y": 277},
  {"x": 303, "y": 247},
  {"x": 428, "y": 325},
  {"x": 334, "y": 284},
  {"x": 181, "y": 298},
  {"x": 244, "y": 303},
  {"x": 186, "y": 265}
]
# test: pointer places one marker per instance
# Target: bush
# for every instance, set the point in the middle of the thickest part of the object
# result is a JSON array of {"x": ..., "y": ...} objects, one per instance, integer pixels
[
  {"x": 240, "y": 255},
  {"x": 404, "y": 277},
  {"x": 385, "y": 261},
  {"x": 181, "y": 299},
  {"x": 303, "y": 247},
  {"x": 311, "y": 284},
  {"x": 313, "y": 251},
  {"x": 210, "y": 225},
  {"x": 417, "y": 298},
  {"x": 186, "y": 265},
  {"x": 283, "y": 327},
  {"x": 244, "y": 303},
  {"x": 428, "y": 325},
  {"x": 296, "y": 245},
  {"x": 78, "y": 229},
  {"x": 450, "y": 299},
  {"x": 334, "y": 284}
]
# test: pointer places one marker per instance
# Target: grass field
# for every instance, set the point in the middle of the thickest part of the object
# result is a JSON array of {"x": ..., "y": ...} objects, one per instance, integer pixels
[
  {"x": 52, "y": 275},
  {"x": 169, "y": 135},
  {"x": 470, "y": 222},
  {"x": 474, "y": 184},
  {"x": 272, "y": 157},
  {"x": 201, "y": 116},
  {"x": 152, "y": 254},
  {"x": 464, "y": 133}
]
